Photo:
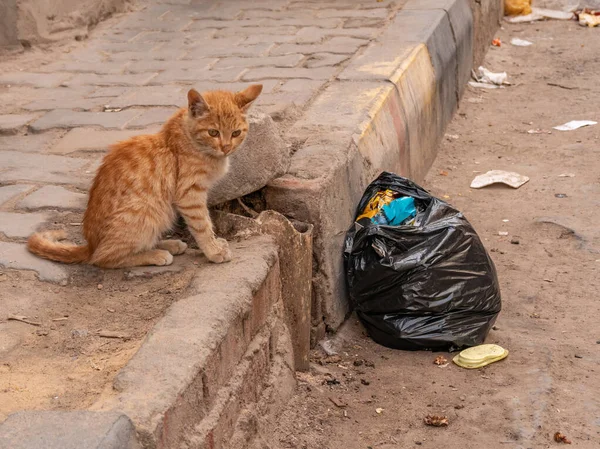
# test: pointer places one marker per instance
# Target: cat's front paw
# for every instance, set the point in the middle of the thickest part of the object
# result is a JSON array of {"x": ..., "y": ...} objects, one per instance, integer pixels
[{"x": 219, "y": 252}]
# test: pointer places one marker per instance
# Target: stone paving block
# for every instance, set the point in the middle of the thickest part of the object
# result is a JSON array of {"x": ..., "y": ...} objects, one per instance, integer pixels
[
  {"x": 30, "y": 143},
  {"x": 11, "y": 123},
  {"x": 192, "y": 76},
  {"x": 90, "y": 79},
  {"x": 263, "y": 14},
  {"x": 158, "y": 66},
  {"x": 292, "y": 20},
  {"x": 80, "y": 102},
  {"x": 84, "y": 67},
  {"x": 9, "y": 192},
  {"x": 107, "y": 92},
  {"x": 268, "y": 85},
  {"x": 272, "y": 61},
  {"x": 166, "y": 54},
  {"x": 15, "y": 256},
  {"x": 361, "y": 22},
  {"x": 154, "y": 116},
  {"x": 218, "y": 48},
  {"x": 34, "y": 79},
  {"x": 312, "y": 35},
  {"x": 53, "y": 197},
  {"x": 322, "y": 73},
  {"x": 40, "y": 168},
  {"x": 378, "y": 13},
  {"x": 15, "y": 225},
  {"x": 93, "y": 140},
  {"x": 324, "y": 60},
  {"x": 61, "y": 118},
  {"x": 118, "y": 47},
  {"x": 269, "y": 39},
  {"x": 336, "y": 45},
  {"x": 300, "y": 85},
  {"x": 251, "y": 31},
  {"x": 68, "y": 430},
  {"x": 150, "y": 96}
]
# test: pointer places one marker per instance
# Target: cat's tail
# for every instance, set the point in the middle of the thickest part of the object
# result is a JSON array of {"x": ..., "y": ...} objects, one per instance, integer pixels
[{"x": 49, "y": 246}]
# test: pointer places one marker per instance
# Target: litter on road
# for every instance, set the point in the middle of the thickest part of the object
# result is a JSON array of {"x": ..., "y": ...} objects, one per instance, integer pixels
[
  {"x": 486, "y": 76},
  {"x": 540, "y": 14},
  {"x": 520, "y": 42},
  {"x": 480, "y": 356},
  {"x": 575, "y": 124},
  {"x": 514, "y": 180}
]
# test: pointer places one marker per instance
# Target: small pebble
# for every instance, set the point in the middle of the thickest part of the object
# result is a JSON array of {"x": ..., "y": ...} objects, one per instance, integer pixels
[
  {"x": 100, "y": 286},
  {"x": 577, "y": 356},
  {"x": 515, "y": 241},
  {"x": 463, "y": 398}
]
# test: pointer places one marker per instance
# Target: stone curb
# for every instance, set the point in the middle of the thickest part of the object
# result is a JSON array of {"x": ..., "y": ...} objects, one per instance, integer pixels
[{"x": 387, "y": 110}]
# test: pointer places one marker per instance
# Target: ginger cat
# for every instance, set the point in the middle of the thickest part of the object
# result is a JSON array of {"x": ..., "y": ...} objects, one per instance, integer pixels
[{"x": 144, "y": 181}]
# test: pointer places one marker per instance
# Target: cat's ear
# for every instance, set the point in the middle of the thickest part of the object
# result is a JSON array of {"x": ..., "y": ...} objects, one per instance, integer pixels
[
  {"x": 246, "y": 97},
  {"x": 196, "y": 104}
]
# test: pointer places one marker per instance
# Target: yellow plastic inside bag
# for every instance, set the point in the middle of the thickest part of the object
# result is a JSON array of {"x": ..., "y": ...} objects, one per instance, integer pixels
[
  {"x": 517, "y": 7},
  {"x": 379, "y": 200}
]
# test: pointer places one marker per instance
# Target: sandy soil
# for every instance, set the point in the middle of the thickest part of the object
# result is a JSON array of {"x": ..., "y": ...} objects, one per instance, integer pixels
[
  {"x": 65, "y": 362},
  {"x": 548, "y": 276}
]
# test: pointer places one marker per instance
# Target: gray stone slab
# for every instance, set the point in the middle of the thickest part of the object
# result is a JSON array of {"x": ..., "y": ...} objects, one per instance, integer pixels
[
  {"x": 9, "y": 192},
  {"x": 30, "y": 143},
  {"x": 64, "y": 118},
  {"x": 94, "y": 140},
  {"x": 20, "y": 225},
  {"x": 16, "y": 256},
  {"x": 40, "y": 168},
  {"x": 154, "y": 116},
  {"x": 34, "y": 79},
  {"x": 68, "y": 430},
  {"x": 53, "y": 197},
  {"x": 10, "y": 123},
  {"x": 264, "y": 156},
  {"x": 151, "y": 96}
]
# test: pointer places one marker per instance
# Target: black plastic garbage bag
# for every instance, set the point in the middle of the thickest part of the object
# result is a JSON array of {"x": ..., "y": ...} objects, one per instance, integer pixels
[{"x": 427, "y": 285}]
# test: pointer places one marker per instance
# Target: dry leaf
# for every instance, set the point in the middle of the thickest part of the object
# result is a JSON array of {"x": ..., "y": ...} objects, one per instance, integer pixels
[
  {"x": 436, "y": 421},
  {"x": 440, "y": 360},
  {"x": 560, "y": 438}
]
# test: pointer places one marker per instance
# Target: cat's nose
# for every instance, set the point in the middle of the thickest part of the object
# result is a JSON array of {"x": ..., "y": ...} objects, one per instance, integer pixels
[{"x": 226, "y": 149}]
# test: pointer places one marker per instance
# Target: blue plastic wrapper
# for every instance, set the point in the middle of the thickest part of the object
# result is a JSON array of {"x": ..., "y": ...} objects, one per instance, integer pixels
[{"x": 430, "y": 285}]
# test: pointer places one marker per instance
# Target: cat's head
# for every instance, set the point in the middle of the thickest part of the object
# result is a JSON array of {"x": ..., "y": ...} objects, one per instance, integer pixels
[{"x": 217, "y": 119}]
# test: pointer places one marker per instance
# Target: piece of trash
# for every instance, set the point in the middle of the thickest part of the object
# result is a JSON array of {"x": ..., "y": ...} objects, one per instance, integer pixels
[
  {"x": 560, "y": 195},
  {"x": 451, "y": 136},
  {"x": 436, "y": 421},
  {"x": 107, "y": 108},
  {"x": 587, "y": 17},
  {"x": 100, "y": 286},
  {"x": 497, "y": 43},
  {"x": 548, "y": 280},
  {"x": 329, "y": 347},
  {"x": 520, "y": 42},
  {"x": 443, "y": 173},
  {"x": 514, "y": 180},
  {"x": 22, "y": 319},
  {"x": 338, "y": 402},
  {"x": 515, "y": 242},
  {"x": 560, "y": 438},
  {"x": 575, "y": 124},
  {"x": 484, "y": 85},
  {"x": 365, "y": 382},
  {"x": 566, "y": 175},
  {"x": 440, "y": 360},
  {"x": 506, "y": 220},
  {"x": 332, "y": 381},
  {"x": 502, "y": 233},
  {"x": 389, "y": 208},
  {"x": 112, "y": 334},
  {"x": 479, "y": 356},
  {"x": 63, "y": 318},
  {"x": 540, "y": 14},
  {"x": 485, "y": 76},
  {"x": 539, "y": 131},
  {"x": 517, "y": 7},
  {"x": 111, "y": 310},
  {"x": 379, "y": 411},
  {"x": 577, "y": 356},
  {"x": 405, "y": 311}
]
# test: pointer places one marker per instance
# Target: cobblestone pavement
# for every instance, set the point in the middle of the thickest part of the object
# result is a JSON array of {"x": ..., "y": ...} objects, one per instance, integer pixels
[{"x": 132, "y": 73}]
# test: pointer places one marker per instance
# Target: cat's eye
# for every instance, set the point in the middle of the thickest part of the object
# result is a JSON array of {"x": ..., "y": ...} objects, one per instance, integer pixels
[
  {"x": 213, "y": 132},
  {"x": 236, "y": 133}
]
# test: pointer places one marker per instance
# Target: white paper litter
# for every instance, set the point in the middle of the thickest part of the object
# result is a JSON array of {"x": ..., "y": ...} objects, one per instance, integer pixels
[
  {"x": 484, "y": 85},
  {"x": 575, "y": 124},
  {"x": 483, "y": 75},
  {"x": 520, "y": 42},
  {"x": 511, "y": 179},
  {"x": 539, "y": 14},
  {"x": 566, "y": 175}
]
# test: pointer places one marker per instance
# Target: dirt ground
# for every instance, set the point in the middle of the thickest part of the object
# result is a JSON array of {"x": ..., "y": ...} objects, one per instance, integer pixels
[
  {"x": 547, "y": 266},
  {"x": 66, "y": 359}
]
